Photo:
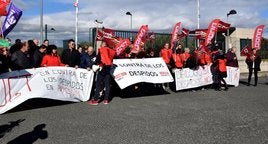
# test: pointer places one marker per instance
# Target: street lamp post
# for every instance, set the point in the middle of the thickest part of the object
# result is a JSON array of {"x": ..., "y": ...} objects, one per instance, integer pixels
[
  {"x": 52, "y": 29},
  {"x": 128, "y": 13},
  {"x": 229, "y": 45}
]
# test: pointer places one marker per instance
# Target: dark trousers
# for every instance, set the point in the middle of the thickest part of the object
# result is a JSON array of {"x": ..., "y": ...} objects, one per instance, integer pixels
[
  {"x": 103, "y": 77},
  {"x": 220, "y": 79},
  {"x": 255, "y": 75}
]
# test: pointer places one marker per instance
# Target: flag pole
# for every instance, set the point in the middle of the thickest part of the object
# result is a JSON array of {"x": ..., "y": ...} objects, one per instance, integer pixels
[
  {"x": 76, "y": 24},
  {"x": 2, "y": 33},
  {"x": 198, "y": 19},
  {"x": 41, "y": 21}
]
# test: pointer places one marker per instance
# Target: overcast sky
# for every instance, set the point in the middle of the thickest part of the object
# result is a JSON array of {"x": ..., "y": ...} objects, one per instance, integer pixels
[{"x": 158, "y": 14}]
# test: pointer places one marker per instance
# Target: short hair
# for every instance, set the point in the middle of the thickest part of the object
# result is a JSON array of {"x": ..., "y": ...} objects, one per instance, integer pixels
[
  {"x": 45, "y": 40},
  {"x": 70, "y": 40}
]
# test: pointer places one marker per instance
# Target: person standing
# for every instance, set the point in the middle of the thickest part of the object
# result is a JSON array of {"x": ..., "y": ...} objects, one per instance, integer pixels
[
  {"x": 70, "y": 57},
  {"x": 51, "y": 58},
  {"x": 104, "y": 60},
  {"x": 88, "y": 58},
  {"x": 20, "y": 59},
  {"x": 221, "y": 71},
  {"x": 253, "y": 62},
  {"x": 4, "y": 57},
  {"x": 232, "y": 58},
  {"x": 38, "y": 56}
]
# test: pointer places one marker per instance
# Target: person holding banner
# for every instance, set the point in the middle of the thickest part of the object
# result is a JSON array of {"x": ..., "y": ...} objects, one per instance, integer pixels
[
  {"x": 20, "y": 59},
  {"x": 105, "y": 61},
  {"x": 51, "y": 58},
  {"x": 70, "y": 57},
  {"x": 253, "y": 61},
  {"x": 88, "y": 58}
]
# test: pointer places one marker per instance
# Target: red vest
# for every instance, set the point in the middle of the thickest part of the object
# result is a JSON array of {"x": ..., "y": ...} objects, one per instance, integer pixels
[
  {"x": 222, "y": 65},
  {"x": 178, "y": 60}
]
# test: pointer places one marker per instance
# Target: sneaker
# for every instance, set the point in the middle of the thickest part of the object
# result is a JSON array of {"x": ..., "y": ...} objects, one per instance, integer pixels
[
  {"x": 93, "y": 102},
  {"x": 105, "y": 102}
]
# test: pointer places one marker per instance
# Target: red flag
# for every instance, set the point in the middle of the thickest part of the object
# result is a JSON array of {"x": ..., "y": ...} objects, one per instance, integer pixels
[
  {"x": 222, "y": 26},
  {"x": 203, "y": 48},
  {"x": 139, "y": 39},
  {"x": 200, "y": 33},
  {"x": 184, "y": 33},
  {"x": 3, "y": 4},
  {"x": 123, "y": 44},
  {"x": 108, "y": 36},
  {"x": 246, "y": 51},
  {"x": 212, "y": 29},
  {"x": 175, "y": 33},
  {"x": 257, "y": 38}
]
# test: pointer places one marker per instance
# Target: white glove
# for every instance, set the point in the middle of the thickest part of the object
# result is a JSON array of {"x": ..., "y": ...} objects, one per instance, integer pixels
[{"x": 95, "y": 68}]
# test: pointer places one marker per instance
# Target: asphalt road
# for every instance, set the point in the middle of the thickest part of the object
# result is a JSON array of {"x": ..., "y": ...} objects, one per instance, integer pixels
[{"x": 236, "y": 116}]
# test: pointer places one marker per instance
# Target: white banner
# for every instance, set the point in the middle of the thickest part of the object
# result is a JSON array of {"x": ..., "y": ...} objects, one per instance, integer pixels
[
  {"x": 187, "y": 78},
  {"x": 59, "y": 83},
  {"x": 233, "y": 76},
  {"x": 131, "y": 71}
]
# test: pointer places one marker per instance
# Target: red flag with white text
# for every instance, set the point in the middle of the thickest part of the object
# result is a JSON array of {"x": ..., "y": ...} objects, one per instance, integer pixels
[
  {"x": 257, "y": 38},
  {"x": 246, "y": 51},
  {"x": 212, "y": 29},
  {"x": 184, "y": 33},
  {"x": 200, "y": 33},
  {"x": 108, "y": 36},
  {"x": 175, "y": 33},
  {"x": 121, "y": 46},
  {"x": 223, "y": 26},
  {"x": 139, "y": 39}
]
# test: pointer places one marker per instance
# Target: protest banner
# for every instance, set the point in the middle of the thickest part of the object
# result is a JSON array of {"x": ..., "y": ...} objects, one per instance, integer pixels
[
  {"x": 187, "y": 78},
  {"x": 59, "y": 83},
  {"x": 131, "y": 71}
]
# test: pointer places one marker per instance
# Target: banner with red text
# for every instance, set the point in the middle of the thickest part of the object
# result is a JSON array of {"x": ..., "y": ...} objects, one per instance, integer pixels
[
  {"x": 257, "y": 38},
  {"x": 187, "y": 78},
  {"x": 59, "y": 83},
  {"x": 132, "y": 71},
  {"x": 139, "y": 39}
]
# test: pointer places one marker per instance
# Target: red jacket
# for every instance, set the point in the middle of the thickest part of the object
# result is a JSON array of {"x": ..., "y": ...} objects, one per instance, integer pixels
[
  {"x": 178, "y": 60},
  {"x": 107, "y": 55},
  {"x": 185, "y": 56},
  {"x": 49, "y": 60},
  {"x": 166, "y": 55}
]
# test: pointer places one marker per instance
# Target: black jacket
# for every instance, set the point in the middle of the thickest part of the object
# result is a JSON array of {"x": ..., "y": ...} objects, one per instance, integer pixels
[
  {"x": 37, "y": 58},
  {"x": 257, "y": 63},
  {"x": 20, "y": 61},
  {"x": 4, "y": 64},
  {"x": 70, "y": 57}
]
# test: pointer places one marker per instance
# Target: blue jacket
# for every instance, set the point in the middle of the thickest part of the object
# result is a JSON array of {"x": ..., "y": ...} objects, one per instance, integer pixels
[{"x": 87, "y": 60}]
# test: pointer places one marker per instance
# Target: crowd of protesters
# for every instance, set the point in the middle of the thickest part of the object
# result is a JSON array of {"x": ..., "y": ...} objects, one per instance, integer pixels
[{"x": 29, "y": 54}]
